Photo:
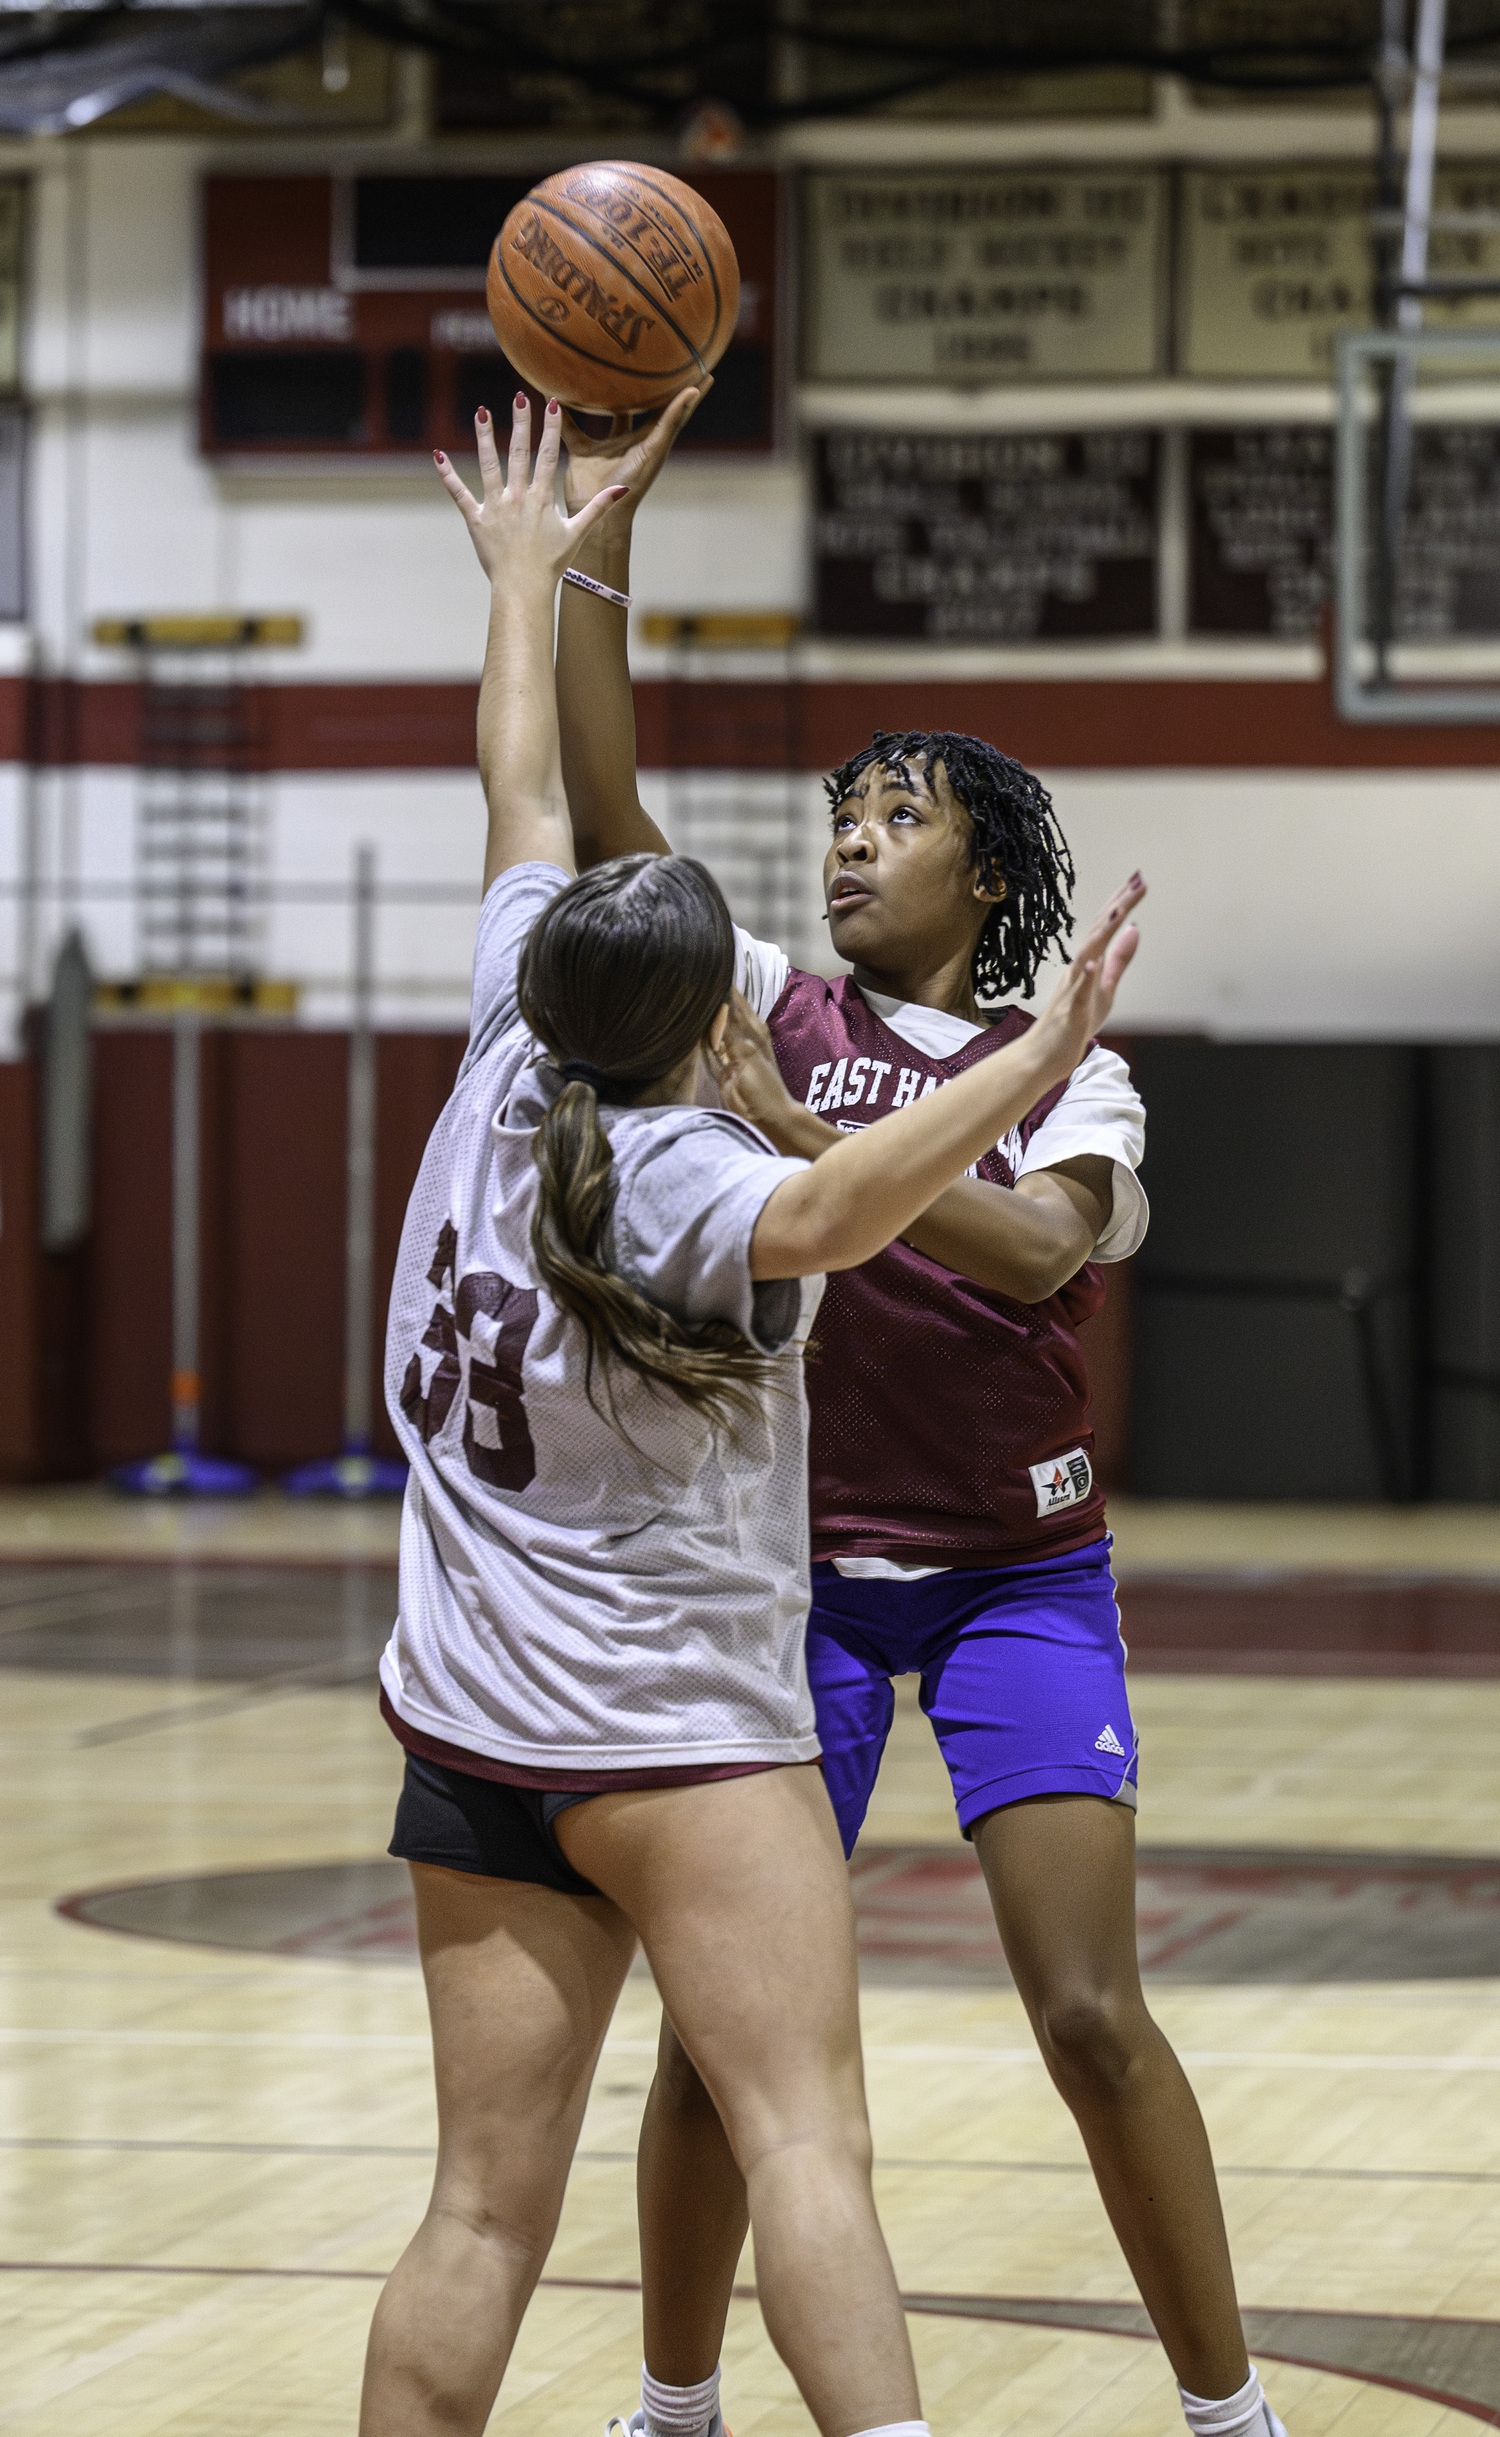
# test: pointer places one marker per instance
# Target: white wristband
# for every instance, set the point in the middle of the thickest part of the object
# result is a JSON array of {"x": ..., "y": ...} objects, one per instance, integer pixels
[{"x": 602, "y": 592}]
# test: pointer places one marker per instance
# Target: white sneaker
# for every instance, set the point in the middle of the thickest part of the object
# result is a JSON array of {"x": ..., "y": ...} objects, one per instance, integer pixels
[{"x": 635, "y": 2426}]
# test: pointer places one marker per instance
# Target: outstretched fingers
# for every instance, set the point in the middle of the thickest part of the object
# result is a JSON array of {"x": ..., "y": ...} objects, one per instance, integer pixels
[
  {"x": 491, "y": 474},
  {"x": 1114, "y": 915},
  {"x": 1103, "y": 929},
  {"x": 456, "y": 487},
  {"x": 679, "y": 411},
  {"x": 544, "y": 479},
  {"x": 1101, "y": 972},
  {"x": 589, "y": 514},
  {"x": 519, "y": 464}
]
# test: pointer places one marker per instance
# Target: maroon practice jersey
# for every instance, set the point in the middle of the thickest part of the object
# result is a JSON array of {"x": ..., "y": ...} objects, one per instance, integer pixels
[{"x": 944, "y": 1416}]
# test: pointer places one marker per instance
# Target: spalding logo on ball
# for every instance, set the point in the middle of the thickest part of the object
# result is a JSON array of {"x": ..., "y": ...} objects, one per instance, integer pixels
[{"x": 612, "y": 286}]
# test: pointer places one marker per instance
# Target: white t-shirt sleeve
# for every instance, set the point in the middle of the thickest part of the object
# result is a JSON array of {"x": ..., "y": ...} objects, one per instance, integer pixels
[
  {"x": 1100, "y": 1116},
  {"x": 511, "y": 905},
  {"x": 760, "y": 971},
  {"x": 683, "y": 1225}
]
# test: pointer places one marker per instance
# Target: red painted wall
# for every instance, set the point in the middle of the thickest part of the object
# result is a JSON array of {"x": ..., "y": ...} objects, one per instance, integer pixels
[{"x": 1121, "y": 723}]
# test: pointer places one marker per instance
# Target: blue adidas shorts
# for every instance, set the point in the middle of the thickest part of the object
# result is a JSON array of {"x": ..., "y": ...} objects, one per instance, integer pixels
[{"x": 1023, "y": 1677}]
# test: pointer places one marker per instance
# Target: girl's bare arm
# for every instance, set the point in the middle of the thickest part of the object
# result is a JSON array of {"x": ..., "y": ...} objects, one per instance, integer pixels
[{"x": 523, "y": 544}]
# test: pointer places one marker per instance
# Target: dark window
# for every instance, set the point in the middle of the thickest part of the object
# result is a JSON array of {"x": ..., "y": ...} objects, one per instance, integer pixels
[
  {"x": 406, "y": 395},
  {"x": 481, "y": 380},
  {"x": 289, "y": 397},
  {"x": 737, "y": 411},
  {"x": 430, "y": 224}
]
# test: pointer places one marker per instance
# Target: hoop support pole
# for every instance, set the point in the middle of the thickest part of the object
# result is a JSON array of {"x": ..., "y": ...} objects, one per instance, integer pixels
[{"x": 186, "y": 1208}]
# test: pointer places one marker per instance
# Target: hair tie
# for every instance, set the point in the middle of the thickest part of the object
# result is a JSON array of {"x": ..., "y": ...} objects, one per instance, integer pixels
[{"x": 603, "y": 1086}]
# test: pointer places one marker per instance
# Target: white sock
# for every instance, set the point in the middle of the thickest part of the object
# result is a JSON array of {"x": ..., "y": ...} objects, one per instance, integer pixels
[
  {"x": 898, "y": 2428},
  {"x": 1245, "y": 2414},
  {"x": 678, "y": 2411}
]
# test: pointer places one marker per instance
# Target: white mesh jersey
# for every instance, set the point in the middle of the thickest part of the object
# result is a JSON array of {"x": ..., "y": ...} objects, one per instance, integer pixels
[{"x": 572, "y": 1597}]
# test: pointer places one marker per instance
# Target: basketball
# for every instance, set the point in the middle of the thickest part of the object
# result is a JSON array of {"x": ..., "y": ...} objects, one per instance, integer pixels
[{"x": 612, "y": 286}]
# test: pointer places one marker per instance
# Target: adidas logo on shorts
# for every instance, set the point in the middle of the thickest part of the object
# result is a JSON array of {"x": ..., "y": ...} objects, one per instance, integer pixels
[{"x": 1109, "y": 1741}]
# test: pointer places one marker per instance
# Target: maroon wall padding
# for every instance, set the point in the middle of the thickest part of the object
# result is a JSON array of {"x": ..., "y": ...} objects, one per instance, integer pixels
[
  {"x": 284, "y": 1189},
  {"x": 20, "y": 1313},
  {"x": 130, "y": 1265},
  {"x": 44, "y": 1423},
  {"x": 272, "y": 1249},
  {"x": 415, "y": 1074}
]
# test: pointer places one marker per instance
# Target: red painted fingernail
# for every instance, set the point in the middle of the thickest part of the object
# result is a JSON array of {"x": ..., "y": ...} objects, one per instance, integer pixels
[
  {"x": 520, "y": 397},
  {"x": 552, "y": 407},
  {"x": 482, "y": 414},
  {"x": 438, "y": 458}
]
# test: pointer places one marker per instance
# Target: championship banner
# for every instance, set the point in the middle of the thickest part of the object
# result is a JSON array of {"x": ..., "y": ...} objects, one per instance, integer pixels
[
  {"x": 1261, "y": 550},
  {"x": 986, "y": 537},
  {"x": 1274, "y": 263},
  {"x": 983, "y": 276}
]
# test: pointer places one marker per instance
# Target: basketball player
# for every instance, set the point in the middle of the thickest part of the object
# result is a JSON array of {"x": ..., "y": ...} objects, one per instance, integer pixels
[
  {"x": 958, "y": 1531},
  {"x": 594, "y": 1363}
]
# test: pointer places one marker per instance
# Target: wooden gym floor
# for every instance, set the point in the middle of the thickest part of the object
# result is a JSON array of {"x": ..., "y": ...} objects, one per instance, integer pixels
[{"x": 217, "y": 2126}]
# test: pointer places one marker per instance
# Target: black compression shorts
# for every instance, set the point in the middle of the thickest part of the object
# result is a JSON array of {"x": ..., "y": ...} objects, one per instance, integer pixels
[{"x": 490, "y": 1831}]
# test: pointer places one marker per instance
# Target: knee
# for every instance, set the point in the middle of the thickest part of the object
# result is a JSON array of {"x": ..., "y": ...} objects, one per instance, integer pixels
[
  {"x": 517, "y": 2227},
  {"x": 1093, "y": 2041},
  {"x": 771, "y": 2129}
]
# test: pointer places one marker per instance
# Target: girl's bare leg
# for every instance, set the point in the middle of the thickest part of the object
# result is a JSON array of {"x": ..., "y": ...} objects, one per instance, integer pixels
[
  {"x": 521, "y": 1984},
  {"x": 693, "y": 2215},
  {"x": 741, "y": 1896},
  {"x": 1061, "y": 1873}
]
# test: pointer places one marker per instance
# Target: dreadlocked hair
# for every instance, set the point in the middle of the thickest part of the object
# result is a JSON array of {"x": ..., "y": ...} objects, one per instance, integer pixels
[
  {"x": 621, "y": 977},
  {"x": 1014, "y": 845}
]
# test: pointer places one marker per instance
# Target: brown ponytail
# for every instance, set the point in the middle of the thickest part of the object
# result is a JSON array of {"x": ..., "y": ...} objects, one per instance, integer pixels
[{"x": 623, "y": 974}]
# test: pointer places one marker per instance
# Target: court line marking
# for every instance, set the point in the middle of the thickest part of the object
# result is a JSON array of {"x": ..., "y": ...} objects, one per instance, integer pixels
[
  {"x": 253, "y": 1692},
  {"x": 992, "y": 2309},
  {"x": 204, "y": 2307},
  {"x": 1281, "y": 2060},
  {"x": 1314, "y": 2060},
  {"x": 627, "y": 2157}
]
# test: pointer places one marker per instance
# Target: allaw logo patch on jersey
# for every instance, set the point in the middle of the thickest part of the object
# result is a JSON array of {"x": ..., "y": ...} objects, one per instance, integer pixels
[{"x": 1064, "y": 1480}]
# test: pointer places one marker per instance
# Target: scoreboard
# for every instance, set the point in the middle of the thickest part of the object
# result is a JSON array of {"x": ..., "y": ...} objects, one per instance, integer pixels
[{"x": 345, "y": 316}]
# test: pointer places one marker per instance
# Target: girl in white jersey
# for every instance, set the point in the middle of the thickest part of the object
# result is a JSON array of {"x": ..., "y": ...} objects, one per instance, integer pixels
[{"x": 601, "y": 1300}]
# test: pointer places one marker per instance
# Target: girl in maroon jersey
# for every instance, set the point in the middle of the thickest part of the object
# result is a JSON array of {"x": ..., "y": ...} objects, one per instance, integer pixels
[{"x": 958, "y": 1532}]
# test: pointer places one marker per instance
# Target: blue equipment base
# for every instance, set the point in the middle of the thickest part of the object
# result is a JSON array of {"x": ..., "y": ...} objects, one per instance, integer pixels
[
  {"x": 183, "y": 1474},
  {"x": 347, "y": 1476}
]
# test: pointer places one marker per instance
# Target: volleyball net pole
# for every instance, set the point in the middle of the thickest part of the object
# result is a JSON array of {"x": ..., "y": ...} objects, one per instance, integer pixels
[
  {"x": 356, "y": 1472},
  {"x": 187, "y": 1197},
  {"x": 184, "y": 1470}
]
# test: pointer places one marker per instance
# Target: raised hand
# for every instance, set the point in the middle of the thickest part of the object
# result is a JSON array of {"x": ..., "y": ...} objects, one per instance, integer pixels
[
  {"x": 749, "y": 1077},
  {"x": 633, "y": 455},
  {"x": 520, "y": 536},
  {"x": 1081, "y": 1003}
]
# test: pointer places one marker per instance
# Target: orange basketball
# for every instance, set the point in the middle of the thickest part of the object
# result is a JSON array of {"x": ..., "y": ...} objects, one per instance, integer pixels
[{"x": 613, "y": 286}]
